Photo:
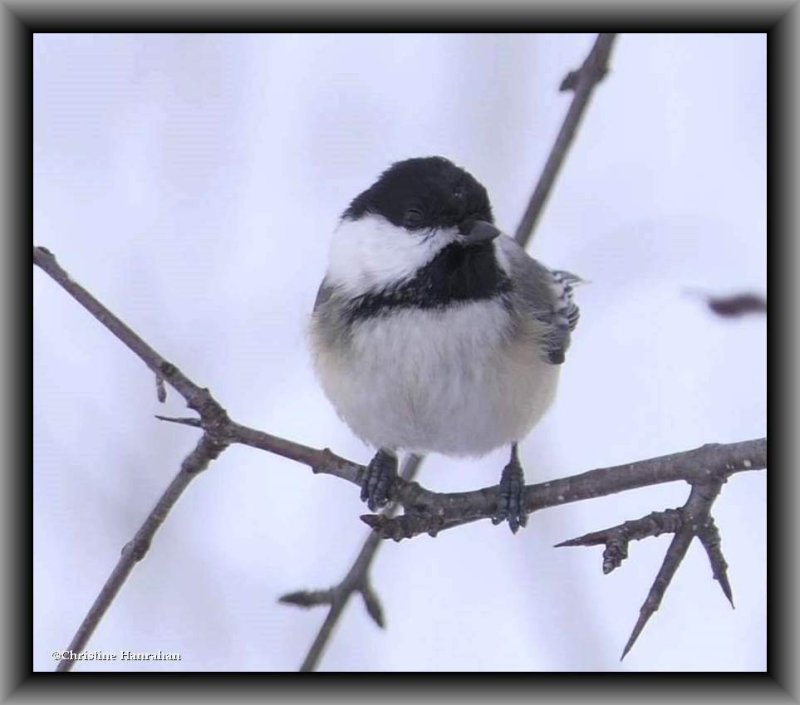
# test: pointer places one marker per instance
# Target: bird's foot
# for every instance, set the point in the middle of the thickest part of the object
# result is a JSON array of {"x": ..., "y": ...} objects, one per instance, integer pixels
[
  {"x": 378, "y": 480},
  {"x": 511, "y": 495}
]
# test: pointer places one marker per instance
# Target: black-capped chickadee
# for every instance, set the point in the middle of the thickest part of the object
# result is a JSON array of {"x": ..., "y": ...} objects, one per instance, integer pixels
[{"x": 433, "y": 331}]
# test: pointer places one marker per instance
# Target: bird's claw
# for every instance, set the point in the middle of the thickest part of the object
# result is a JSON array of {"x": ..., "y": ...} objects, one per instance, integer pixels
[
  {"x": 511, "y": 496},
  {"x": 378, "y": 480}
]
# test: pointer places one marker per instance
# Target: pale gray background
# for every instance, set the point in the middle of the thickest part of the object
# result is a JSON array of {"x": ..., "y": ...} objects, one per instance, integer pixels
[{"x": 191, "y": 183}]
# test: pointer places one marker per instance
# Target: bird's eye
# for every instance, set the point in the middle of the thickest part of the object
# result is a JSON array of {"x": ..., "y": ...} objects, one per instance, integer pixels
[{"x": 413, "y": 217}]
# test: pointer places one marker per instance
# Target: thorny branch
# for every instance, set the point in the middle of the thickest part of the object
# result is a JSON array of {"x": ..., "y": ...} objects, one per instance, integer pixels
[
  {"x": 426, "y": 512},
  {"x": 705, "y": 468},
  {"x": 431, "y": 512},
  {"x": 693, "y": 520}
]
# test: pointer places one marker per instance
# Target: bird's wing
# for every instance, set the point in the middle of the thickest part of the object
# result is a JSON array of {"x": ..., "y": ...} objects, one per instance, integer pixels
[
  {"x": 323, "y": 294},
  {"x": 546, "y": 296}
]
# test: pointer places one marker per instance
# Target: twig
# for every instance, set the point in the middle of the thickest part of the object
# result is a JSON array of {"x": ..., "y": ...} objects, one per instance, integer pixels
[
  {"x": 692, "y": 520},
  {"x": 582, "y": 82},
  {"x": 197, "y": 398},
  {"x": 213, "y": 417},
  {"x": 211, "y": 444},
  {"x": 617, "y": 538},
  {"x": 356, "y": 580},
  {"x": 696, "y": 515},
  {"x": 206, "y": 450}
]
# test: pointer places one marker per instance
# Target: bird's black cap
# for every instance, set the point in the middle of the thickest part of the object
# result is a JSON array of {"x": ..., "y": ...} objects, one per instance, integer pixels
[{"x": 423, "y": 193}]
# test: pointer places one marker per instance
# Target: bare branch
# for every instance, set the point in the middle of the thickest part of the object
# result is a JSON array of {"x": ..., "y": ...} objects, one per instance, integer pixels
[
  {"x": 426, "y": 512},
  {"x": 692, "y": 520},
  {"x": 616, "y": 539},
  {"x": 696, "y": 515},
  {"x": 582, "y": 82},
  {"x": 206, "y": 450},
  {"x": 197, "y": 398},
  {"x": 356, "y": 580},
  {"x": 431, "y": 512}
]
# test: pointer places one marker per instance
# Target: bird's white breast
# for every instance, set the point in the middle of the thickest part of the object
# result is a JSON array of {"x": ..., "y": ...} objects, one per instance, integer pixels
[{"x": 460, "y": 380}]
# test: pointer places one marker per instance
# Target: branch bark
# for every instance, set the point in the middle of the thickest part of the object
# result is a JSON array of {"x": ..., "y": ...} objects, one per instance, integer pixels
[
  {"x": 199, "y": 459},
  {"x": 691, "y": 521},
  {"x": 431, "y": 512},
  {"x": 583, "y": 82},
  {"x": 356, "y": 580}
]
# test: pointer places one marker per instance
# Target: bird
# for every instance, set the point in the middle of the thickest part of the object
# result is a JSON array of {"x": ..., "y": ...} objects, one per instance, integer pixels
[{"x": 434, "y": 332}]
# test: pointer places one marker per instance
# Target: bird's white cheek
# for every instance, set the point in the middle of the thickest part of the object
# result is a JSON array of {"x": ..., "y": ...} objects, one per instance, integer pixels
[{"x": 371, "y": 253}]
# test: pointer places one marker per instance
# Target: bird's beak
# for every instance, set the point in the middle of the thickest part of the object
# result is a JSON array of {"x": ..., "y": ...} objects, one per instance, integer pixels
[{"x": 475, "y": 232}]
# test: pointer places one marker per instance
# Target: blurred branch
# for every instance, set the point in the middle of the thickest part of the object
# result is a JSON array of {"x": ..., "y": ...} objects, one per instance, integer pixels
[
  {"x": 356, "y": 580},
  {"x": 582, "y": 82},
  {"x": 733, "y": 306},
  {"x": 206, "y": 450}
]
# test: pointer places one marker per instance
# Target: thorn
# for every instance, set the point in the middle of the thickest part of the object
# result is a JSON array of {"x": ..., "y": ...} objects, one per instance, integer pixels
[
  {"x": 570, "y": 82},
  {"x": 726, "y": 588},
  {"x": 594, "y": 538},
  {"x": 712, "y": 543},
  {"x": 373, "y": 606},
  {"x": 672, "y": 559},
  {"x": 564, "y": 544},
  {"x": 161, "y": 390},
  {"x": 644, "y": 615},
  {"x": 190, "y": 421},
  {"x": 306, "y": 598}
]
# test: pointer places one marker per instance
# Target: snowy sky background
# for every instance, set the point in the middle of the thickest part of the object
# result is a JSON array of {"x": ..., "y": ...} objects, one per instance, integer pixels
[{"x": 191, "y": 182}]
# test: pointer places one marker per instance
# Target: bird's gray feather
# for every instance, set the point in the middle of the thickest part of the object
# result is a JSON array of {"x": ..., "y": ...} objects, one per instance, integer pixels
[
  {"x": 323, "y": 294},
  {"x": 546, "y": 296}
]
